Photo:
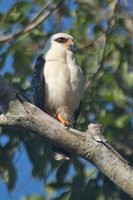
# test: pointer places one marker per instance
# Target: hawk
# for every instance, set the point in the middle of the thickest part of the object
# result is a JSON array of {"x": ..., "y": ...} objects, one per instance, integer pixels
[{"x": 57, "y": 80}]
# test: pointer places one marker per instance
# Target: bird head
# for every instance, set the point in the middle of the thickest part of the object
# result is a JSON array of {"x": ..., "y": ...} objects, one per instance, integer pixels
[
  {"x": 60, "y": 40},
  {"x": 63, "y": 39}
]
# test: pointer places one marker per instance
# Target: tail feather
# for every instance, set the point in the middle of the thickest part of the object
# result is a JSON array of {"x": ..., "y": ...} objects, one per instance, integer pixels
[{"x": 60, "y": 154}]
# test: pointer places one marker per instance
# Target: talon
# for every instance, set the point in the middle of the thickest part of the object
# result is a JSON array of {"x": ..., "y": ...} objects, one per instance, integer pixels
[{"x": 63, "y": 121}]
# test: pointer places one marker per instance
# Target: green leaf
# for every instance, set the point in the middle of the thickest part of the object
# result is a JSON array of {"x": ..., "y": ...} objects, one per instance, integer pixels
[
  {"x": 122, "y": 121},
  {"x": 34, "y": 198}
]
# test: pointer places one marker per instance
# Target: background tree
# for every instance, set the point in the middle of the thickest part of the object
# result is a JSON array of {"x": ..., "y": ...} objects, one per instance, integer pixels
[{"x": 103, "y": 32}]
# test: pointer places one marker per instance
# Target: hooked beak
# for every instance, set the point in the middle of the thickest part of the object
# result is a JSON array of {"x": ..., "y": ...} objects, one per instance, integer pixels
[{"x": 70, "y": 44}]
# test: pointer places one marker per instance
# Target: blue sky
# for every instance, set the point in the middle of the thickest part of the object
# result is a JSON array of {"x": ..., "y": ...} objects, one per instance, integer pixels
[
  {"x": 26, "y": 184},
  {"x": 5, "y": 5}
]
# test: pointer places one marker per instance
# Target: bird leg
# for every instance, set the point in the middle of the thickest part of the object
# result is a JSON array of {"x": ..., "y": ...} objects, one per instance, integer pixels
[{"x": 63, "y": 121}]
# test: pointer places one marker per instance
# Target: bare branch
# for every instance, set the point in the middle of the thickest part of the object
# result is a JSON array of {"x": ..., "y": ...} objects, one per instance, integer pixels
[
  {"x": 104, "y": 34},
  {"x": 37, "y": 20},
  {"x": 90, "y": 145},
  {"x": 44, "y": 8},
  {"x": 89, "y": 43},
  {"x": 89, "y": 80}
]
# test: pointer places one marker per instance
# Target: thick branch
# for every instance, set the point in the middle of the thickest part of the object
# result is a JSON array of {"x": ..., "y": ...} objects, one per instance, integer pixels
[
  {"x": 90, "y": 145},
  {"x": 37, "y": 20}
]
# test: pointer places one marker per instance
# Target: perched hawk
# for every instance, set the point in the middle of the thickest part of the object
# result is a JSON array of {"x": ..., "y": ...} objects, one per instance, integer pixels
[{"x": 57, "y": 80}]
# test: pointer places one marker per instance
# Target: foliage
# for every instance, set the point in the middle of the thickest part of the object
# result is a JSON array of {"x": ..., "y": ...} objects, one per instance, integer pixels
[{"x": 108, "y": 100}]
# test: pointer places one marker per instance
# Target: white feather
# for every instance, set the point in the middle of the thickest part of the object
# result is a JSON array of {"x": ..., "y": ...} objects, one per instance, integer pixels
[{"x": 63, "y": 77}]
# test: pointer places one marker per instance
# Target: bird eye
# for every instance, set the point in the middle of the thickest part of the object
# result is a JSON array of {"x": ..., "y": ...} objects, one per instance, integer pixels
[{"x": 61, "y": 40}]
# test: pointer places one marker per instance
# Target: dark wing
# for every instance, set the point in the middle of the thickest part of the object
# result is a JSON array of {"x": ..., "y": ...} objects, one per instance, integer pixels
[
  {"x": 38, "y": 83},
  {"x": 77, "y": 112}
]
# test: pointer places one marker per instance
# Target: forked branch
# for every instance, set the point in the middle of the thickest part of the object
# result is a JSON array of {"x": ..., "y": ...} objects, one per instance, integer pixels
[{"x": 90, "y": 145}]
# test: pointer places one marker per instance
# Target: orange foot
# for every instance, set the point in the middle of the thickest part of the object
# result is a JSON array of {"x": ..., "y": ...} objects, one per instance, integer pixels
[{"x": 63, "y": 121}]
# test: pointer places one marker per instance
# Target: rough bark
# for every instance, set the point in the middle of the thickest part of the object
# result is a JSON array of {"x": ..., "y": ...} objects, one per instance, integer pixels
[{"x": 90, "y": 145}]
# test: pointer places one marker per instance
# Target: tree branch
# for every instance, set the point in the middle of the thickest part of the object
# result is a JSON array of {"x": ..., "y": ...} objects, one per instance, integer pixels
[
  {"x": 90, "y": 145},
  {"x": 37, "y": 20},
  {"x": 104, "y": 35}
]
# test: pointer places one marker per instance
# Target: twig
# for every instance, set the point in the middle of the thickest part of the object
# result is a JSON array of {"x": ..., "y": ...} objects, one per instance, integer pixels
[
  {"x": 89, "y": 43},
  {"x": 38, "y": 19},
  {"x": 111, "y": 22},
  {"x": 90, "y": 79},
  {"x": 44, "y": 8}
]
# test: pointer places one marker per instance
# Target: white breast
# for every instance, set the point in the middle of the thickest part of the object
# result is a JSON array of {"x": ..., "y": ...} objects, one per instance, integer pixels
[
  {"x": 76, "y": 80},
  {"x": 63, "y": 84},
  {"x": 57, "y": 79}
]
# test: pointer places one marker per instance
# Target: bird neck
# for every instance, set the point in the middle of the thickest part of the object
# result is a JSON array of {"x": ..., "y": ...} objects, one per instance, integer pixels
[
  {"x": 55, "y": 54},
  {"x": 70, "y": 59}
]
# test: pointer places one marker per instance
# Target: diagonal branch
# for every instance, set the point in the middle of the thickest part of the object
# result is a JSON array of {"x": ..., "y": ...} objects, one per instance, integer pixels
[
  {"x": 90, "y": 145},
  {"x": 104, "y": 34},
  {"x": 36, "y": 21},
  {"x": 89, "y": 80}
]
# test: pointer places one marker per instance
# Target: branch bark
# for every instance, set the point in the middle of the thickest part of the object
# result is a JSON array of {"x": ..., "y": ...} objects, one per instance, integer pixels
[{"x": 90, "y": 145}]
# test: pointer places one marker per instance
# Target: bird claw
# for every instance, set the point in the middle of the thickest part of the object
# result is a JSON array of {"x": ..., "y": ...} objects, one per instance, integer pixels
[{"x": 63, "y": 121}]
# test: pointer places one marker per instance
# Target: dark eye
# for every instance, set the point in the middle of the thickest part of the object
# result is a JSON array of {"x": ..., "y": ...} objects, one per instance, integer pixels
[{"x": 61, "y": 40}]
